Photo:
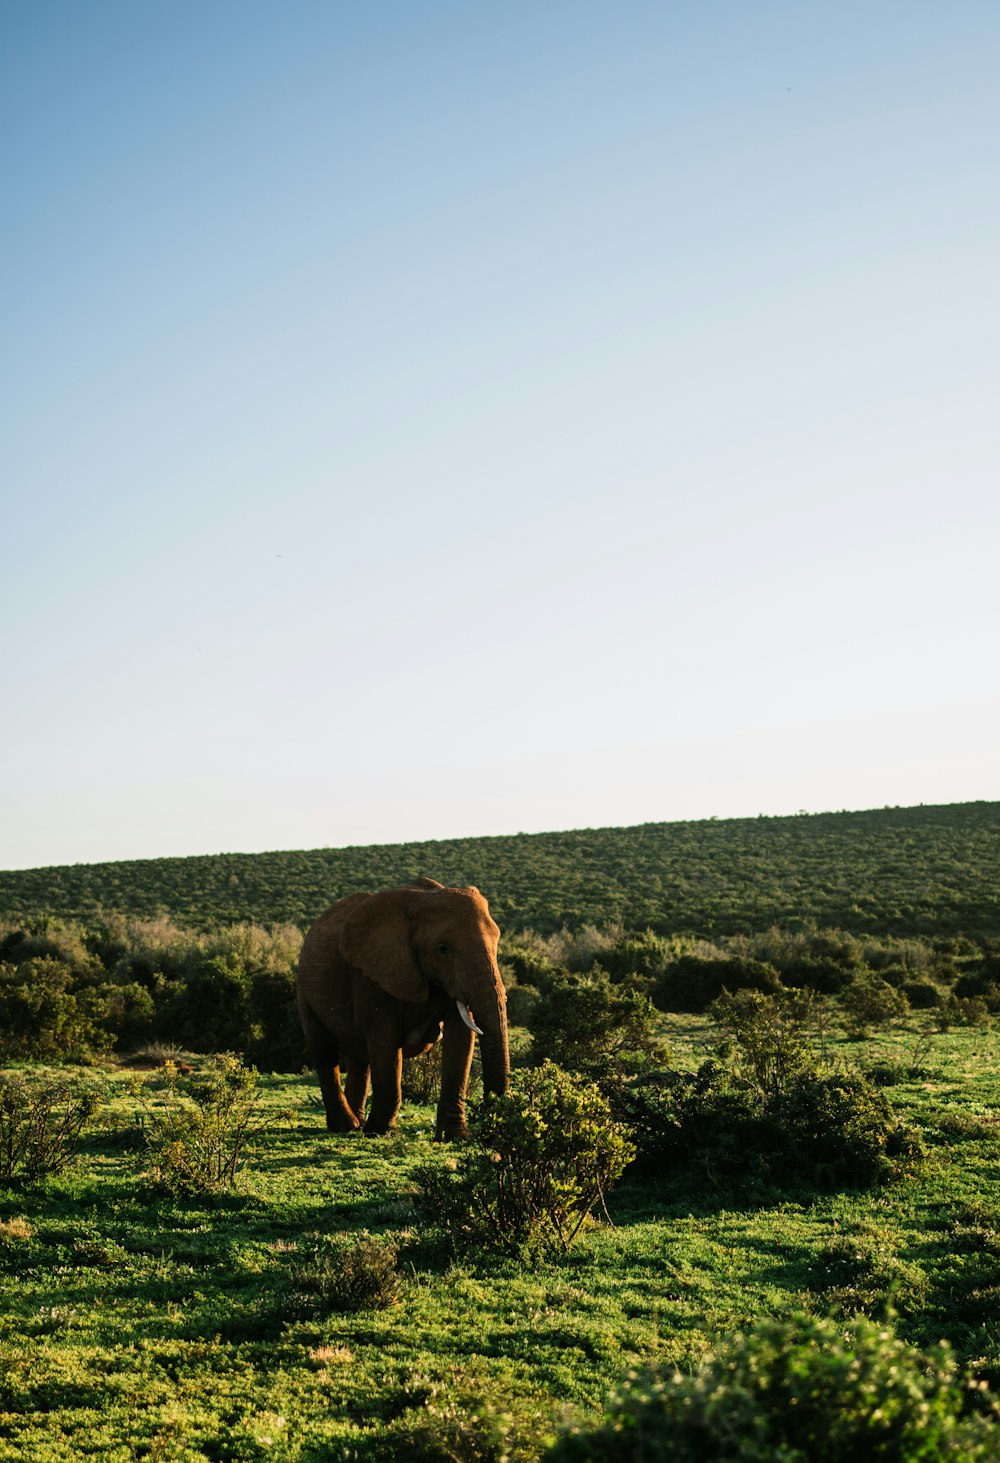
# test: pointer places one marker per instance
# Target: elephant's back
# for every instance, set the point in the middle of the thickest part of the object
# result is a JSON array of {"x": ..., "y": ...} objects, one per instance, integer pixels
[{"x": 322, "y": 940}]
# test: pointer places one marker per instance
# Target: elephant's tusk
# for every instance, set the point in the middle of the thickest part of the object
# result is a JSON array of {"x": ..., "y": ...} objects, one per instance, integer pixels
[{"x": 466, "y": 1016}]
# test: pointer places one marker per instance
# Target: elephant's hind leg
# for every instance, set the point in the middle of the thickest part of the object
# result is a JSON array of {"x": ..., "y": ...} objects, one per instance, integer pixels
[
  {"x": 339, "y": 1116},
  {"x": 356, "y": 1089},
  {"x": 326, "y": 1059}
]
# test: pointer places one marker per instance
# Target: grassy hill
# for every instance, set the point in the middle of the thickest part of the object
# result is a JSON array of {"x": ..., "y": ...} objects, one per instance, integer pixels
[{"x": 932, "y": 871}]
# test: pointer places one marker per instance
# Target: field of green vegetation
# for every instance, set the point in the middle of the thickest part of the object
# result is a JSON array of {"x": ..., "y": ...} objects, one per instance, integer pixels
[
  {"x": 924, "y": 870},
  {"x": 745, "y": 1185},
  {"x": 141, "y": 1321}
]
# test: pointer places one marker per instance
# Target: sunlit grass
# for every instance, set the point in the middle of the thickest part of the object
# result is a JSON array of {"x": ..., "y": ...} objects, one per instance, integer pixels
[{"x": 134, "y": 1323}]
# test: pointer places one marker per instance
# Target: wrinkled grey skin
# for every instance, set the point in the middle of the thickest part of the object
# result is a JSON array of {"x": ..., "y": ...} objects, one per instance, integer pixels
[{"x": 379, "y": 977}]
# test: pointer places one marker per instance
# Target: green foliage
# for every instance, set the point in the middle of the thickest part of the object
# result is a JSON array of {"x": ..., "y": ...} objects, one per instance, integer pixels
[
  {"x": 638, "y": 957},
  {"x": 543, "y": 1156},
  {"x": 921, "y": 995},
  {"x": 137, "y": 1323},
  {"x": 449, "y": 1429},
  {"x": 956, "y": 1010},
  {"x": 692, "y": 983},
  {"x": 43, "y": 1016},
  {"x": 41, "y": 1125},
  {"x": 72, "y": 994},
  {"x": 587, "y": 1024},
  {"x": 860, "y": 1272},
  {"x": 795, "y": 1390},
  {"x": 350, "y": 1273},
  {"x": 422, "y": 1075},
  {"x": 870, "y": 1001},
  {"x": 928, "y": 871},
  {"x": 451, "y": 1419},
  {"x": 768, "y": 1110},
  {"x": 768, "y": 1037},
  {"x": 197, "y": 1136}
]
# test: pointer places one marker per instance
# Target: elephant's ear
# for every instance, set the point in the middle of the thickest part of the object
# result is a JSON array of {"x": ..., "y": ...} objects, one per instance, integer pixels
[
  {"x": 376, "y": 941},
  {"x": 423, "y": 883}
]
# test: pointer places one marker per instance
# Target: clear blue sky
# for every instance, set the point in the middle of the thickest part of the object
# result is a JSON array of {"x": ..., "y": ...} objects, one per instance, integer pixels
[{"x": 428, "y": 419}]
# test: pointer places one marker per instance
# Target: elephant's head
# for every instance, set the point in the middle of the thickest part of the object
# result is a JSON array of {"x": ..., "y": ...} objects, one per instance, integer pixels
[{"x": 422, "y": 936}]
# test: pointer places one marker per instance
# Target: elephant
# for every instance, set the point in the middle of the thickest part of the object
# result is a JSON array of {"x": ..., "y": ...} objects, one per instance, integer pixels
[{"x": 384, "y": 976}]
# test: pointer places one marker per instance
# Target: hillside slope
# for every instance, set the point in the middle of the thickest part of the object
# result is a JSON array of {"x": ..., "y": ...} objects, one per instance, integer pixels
[{"x": 922, "y": 870}]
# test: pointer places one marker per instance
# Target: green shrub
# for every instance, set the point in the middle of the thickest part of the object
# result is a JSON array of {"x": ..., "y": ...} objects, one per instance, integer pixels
[
  {"x": 922, "y": 995},
  {"x": 52, "y": 939},
  {"x": 843, "y": 1130},
  {"x": 767, "y": 1037},
  {"x": 466, "y": 1413},
  {"x": 860, "y": 1273},
  {"x": 522, "y": 1001},
  {"x": 542, "y": 1157},
  {"x": 585, "y": 1023},
  {"x": 523, "y": 964},
  {"x": 197, "y": 1137},
  {"x": 767, "y": 1108},
  {"x": 41, "y": 1125},
  {"x": 692, "y": 984},
  {"x": 638, "y": 956},
  {"x": 961, "y": 1011},
  {"x": 273, "y": 1041},
  {"x": 797, "y": 1391},
  {"x": 819, "y": 1130},
  {"x": 983, "y": 983},
  {"x": 869, "y": 1001},
  {"x": 808, "y": 973},
  {"x": 42, "y": 1016},
  {"x": 356, "y": 1274}
]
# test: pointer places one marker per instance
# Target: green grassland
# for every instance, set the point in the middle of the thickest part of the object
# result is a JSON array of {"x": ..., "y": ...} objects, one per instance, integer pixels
[
  {"x": 135, "y": 1323},
  {"x": 928, "y": 871},
  {"x": 140, "y": 1321}
]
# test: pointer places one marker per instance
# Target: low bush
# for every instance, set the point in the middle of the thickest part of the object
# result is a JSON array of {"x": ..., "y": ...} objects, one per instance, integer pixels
[
  {"x": 587, "y": 1024},
  {"x": 961, "y": 1011},
  {"x": 197, "y": 1136},
  {"x": 767, "y": 1038},
  {"x": 870, "y": 1001},
  {"x": 72, "y": 994},
  {"x": 466, "y": 1414},
  {"x": 796, "y": 1390},
  {"x": 692, "y": 984},
  {"x": 542, "y": 1158},
  {"x": 835, "y": 1127},
  {"x": 521, "y": 1003},
  {"x": 638, "y": 957},
  {"x": 41, "y": 1125},
  {"x": 922, "y": 995},
  {"x": 808, "y": 973},
  {"x": 819, "y": 1130},
  {"x": 347, "y": 1274}
]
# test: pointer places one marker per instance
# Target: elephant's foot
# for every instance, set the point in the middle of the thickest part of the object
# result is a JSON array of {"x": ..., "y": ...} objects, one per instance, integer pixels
[
  {"x": 379, "y": 1130},
  {"x": 450, "y": 1133},
  {"x": 450, "y": 1126},
  {"x": 342, "y": 1122}
]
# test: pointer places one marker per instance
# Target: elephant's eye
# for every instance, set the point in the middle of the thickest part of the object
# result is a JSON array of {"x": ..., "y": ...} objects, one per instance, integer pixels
[{"x": 444, "y": 949}]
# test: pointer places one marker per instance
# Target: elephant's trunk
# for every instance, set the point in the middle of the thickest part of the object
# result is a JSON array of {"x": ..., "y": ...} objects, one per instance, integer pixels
[{"x": 489, "y": 1006}]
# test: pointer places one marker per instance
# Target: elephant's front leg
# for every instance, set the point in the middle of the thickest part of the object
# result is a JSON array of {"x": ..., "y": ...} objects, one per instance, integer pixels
[{"x": 457, "y": 1042}]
